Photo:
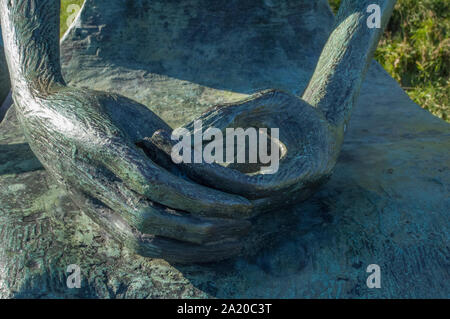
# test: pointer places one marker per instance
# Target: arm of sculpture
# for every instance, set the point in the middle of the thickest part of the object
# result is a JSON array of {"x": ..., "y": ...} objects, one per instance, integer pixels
[
  {"x": 335, "y": 84},
  {"x": 5, "y": 84},
  {"x": 87, "y": 140}
]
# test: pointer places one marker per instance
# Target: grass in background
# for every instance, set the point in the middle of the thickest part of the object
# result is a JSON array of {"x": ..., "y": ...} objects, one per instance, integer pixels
[{"x": 415, "y": 49}]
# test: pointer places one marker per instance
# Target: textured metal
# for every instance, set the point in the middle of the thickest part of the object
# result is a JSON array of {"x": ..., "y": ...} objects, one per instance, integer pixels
[
  {"x": 88, "y": 141},
  {"x": 5, "y": 84},
  {"x": 384, "y": 204}
]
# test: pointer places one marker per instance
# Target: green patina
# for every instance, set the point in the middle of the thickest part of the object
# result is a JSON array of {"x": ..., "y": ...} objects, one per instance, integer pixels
[{"x": 385, "y": 203}]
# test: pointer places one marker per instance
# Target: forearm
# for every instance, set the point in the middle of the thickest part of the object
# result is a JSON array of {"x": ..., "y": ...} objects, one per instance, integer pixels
[
  {"x": 31, "y": 40},
  {"x": 341, "y": 69}
]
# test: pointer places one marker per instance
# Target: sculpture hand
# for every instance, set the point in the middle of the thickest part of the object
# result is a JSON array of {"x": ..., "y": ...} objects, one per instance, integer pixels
[
  {"x": 86, "y": 139},
  {"x": 312, "y": 128},
  {"x": 306, "y": 142},
  {"x": 89, "y": 140}
]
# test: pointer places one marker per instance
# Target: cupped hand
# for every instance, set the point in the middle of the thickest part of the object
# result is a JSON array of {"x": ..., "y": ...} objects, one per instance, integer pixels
[
  {"x": 306, "y": 140},
  {"x": 87, "y": 141}
]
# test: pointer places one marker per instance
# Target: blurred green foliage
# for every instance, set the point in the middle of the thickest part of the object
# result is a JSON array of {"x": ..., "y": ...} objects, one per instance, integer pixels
[
  {"x": 415, "y": 49},
  {"x": 69, "y": 9}
]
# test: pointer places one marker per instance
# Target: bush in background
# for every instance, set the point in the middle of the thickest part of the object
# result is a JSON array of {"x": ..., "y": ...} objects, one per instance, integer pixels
[{"x": 415, "y": 50}]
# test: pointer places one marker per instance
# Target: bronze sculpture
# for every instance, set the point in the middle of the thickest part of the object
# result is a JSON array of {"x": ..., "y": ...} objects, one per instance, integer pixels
[
  {"x": 93, "y": 139},
  {"x": 4, "y": 80},
  {"x": 386, "y": 202}
]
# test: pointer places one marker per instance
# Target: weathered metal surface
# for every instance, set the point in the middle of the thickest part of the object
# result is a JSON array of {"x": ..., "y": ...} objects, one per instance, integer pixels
[
  {"x": 387, "y": 202},
  {"x": 5, "y": 84},
  {"x": 89, "y": 141}
]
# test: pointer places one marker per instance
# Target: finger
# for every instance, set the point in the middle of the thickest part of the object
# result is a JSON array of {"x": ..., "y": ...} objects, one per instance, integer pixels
[
  {"x": 186, "y": 253},
  {"x": 133, "y": 118},
  {"x": 151, "y": 218},
  {"x": 159, "y": 148},
  {"x": 303, "y": 155},
  {"x": 143, "y": 176},
  {"x": 155, "y": 246}
]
